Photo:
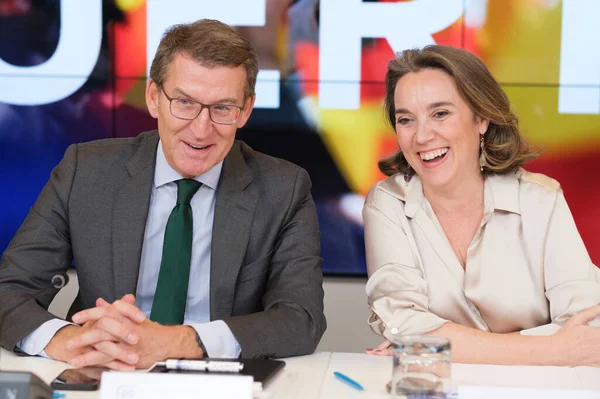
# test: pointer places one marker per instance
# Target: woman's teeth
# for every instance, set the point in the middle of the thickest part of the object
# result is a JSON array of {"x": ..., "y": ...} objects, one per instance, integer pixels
[{"x": 428, "y": 156}]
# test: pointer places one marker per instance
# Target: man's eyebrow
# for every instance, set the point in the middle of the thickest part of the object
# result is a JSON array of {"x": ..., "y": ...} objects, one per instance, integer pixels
[
  {"x": 178, "y": 91},
  {"x": 227, "y": 100}
]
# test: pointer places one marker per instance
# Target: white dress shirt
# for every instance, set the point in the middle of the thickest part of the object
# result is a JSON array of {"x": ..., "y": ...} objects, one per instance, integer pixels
[{"x": 216, "y": 335}]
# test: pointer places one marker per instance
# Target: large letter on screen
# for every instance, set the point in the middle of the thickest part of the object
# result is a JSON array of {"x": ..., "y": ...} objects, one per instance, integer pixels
[
  {"x": 343, "y": 24},
  {"x": 69, "y": 67},
  {"x": 579, "y": 91}
]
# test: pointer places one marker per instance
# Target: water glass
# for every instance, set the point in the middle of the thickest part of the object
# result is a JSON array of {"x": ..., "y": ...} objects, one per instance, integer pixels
[{"x": 421, "y": 367}]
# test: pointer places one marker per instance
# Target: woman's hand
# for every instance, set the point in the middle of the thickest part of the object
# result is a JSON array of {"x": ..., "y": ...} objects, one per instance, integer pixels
[
  {"x": 383, "y": 349},
  {"x": 578, "y": 343}
]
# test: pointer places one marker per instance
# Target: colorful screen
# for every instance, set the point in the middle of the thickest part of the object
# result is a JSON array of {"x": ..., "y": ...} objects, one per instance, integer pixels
[{"x": 73, "y": 71}]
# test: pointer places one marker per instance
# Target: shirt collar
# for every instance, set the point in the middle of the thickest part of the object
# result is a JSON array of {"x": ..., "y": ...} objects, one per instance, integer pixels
[
  {"x": 501, "y": 192},
  {"x": 164, "y": 173},
  {"x": 504, "y": 192},
  {"x": 414, "y": 196},
  {"x": 410, "y": 193}
]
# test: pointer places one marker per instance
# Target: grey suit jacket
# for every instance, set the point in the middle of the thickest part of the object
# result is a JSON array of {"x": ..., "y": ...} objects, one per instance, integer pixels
[{"x": 265, "y": 276}]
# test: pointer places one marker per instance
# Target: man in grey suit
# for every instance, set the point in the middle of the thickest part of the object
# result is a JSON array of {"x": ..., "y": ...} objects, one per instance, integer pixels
[{"x": 219, "y": 243}]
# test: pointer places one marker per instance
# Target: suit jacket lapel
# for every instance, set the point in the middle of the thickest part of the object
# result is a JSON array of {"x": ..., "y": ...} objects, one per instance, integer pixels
[
  {"x": 130, "y": 211},
  {"x": 235, "y": 207}
]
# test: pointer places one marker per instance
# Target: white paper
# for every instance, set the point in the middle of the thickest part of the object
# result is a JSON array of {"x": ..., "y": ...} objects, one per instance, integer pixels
[
  {"x": 132, "y": 385},
  {"x": 483, "y": 392}
]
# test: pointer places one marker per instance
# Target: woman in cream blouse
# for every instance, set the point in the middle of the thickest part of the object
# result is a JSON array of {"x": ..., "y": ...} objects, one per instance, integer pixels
[{"x": 461, "y": 241}]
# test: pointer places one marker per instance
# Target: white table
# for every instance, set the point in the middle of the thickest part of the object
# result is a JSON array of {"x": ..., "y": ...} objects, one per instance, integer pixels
[
  {"x": 311, "y": 376},
  {"x": 373, "y": 372},
  {"x": 301, "y": 378}
]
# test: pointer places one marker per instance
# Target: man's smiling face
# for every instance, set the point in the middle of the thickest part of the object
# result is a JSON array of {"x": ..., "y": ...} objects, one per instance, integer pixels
[{"x": 192, "y": 147}]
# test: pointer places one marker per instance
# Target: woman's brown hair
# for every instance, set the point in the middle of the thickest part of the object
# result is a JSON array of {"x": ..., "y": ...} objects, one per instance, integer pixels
[{"x": 505, "y": 148}]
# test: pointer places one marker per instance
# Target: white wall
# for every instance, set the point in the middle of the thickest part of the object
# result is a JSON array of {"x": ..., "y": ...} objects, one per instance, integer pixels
[{"x": 346, "y": 311}]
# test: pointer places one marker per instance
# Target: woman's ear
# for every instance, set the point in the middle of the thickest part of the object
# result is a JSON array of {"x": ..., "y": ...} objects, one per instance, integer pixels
[{"x": 482, "y": 124}]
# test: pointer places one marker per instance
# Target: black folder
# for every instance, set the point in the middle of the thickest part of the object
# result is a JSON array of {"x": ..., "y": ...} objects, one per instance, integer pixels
[{"x": 261, "y": 369}]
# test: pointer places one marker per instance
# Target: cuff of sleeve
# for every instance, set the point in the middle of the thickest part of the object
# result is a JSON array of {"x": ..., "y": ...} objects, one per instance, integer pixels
[
  {"x": 34, "y": 343},
  {"x": 412, "y": 323},
  {"x": 218, "y": 339},
  {"x": 376, "y": 324}
]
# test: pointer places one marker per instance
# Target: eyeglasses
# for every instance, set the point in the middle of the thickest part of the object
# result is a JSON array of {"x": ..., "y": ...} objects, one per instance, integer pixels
[{"x": 223, "y": 114}]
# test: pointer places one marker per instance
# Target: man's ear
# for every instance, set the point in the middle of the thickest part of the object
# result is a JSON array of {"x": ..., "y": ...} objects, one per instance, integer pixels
[
  {"x": 248, "y": 107},
  {"x": 152, "y": 94}
]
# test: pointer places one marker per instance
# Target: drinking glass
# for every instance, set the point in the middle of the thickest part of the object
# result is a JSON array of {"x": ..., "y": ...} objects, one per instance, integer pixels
[{"x": 421, "y": 367}]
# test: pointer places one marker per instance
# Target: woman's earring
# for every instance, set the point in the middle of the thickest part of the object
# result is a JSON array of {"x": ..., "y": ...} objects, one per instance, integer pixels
[{"x": 482, "y": 155}]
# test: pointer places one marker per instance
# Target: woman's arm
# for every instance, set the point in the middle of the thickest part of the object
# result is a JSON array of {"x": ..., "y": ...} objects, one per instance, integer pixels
[
  {"x": 571, "y": 280},
  {"x": 397, "y": 289},
  {"x": 470, "y": 345},
  {"x": 575, "y": 344}
]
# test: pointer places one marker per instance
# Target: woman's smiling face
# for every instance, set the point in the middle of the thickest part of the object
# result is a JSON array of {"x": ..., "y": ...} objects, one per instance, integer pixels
[{"x": 436, "y": 130}]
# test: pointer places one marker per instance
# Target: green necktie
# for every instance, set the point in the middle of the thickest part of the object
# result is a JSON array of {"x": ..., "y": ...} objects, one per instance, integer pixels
[{"x": 168, "y": 307}]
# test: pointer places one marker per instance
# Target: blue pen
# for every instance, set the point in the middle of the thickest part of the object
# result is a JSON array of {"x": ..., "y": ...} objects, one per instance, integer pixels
[
  {"x": 59, "y": 395},
  {"x": 348, "y": 381}
]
